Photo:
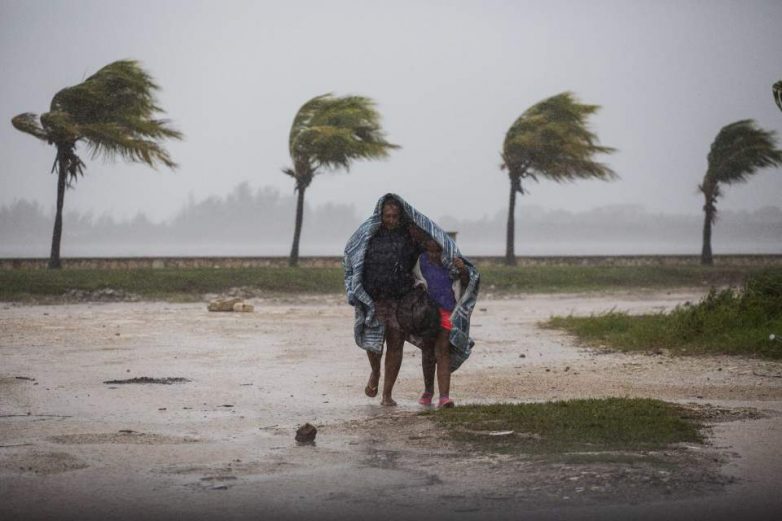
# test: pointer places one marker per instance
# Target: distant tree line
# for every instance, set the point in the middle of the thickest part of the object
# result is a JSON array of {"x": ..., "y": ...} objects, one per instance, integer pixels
[
  {"x": 257, "y": 222},
  {"x": 250, "y": 219}
]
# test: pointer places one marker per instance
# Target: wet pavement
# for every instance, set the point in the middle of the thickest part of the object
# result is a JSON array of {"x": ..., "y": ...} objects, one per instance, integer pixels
[{"x": 221, "y": 445}]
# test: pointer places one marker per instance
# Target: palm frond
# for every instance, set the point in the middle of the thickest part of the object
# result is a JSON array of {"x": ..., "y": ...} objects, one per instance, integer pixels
[
  {"x": 332, "y": 132},
  {"x": 304, "y": 117},
  {"x": 28, "y": 123},
  {"x": 113, "y": 111},
  {"x": 119, "y": 91},
  {"x": 740, "y": 150},
  {"x": 552, "y": 139}
]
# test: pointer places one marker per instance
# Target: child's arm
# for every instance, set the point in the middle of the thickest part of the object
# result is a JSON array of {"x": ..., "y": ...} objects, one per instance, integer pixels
[
  {"x": 418, "y": 276},
  {"x": 464, "y": 275}
]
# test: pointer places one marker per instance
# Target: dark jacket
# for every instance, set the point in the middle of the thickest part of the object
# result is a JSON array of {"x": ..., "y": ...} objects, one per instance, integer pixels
[{"x": 388, "y": 264}]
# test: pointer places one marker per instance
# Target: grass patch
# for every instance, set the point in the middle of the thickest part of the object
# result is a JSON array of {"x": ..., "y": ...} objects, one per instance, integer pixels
[
  {"x": 591, "y": 425},
  {"x": 190, "y": 284},
  {"x": 554, "y": 279},
  {"x": 169, "y": 282},
  {"x": 724, "y": 322}
]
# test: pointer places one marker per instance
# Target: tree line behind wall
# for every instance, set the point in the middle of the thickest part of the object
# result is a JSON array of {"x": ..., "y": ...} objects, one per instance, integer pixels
[
  {"x": 258, "y": 223},
  {"x": 243, "y": 218}
]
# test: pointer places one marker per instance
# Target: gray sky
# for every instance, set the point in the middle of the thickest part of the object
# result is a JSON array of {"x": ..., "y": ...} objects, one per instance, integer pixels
[{"x": 449, "y": 78}]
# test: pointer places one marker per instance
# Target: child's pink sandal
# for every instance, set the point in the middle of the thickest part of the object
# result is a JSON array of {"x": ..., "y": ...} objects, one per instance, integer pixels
[
  {"x": 445, "y": 402},
  {"x": 425, "y": 399}
]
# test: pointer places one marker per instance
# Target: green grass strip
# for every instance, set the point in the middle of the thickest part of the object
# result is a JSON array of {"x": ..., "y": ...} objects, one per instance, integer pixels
[
  {"x": 171, "y": 283},
  {"x": 162, "y": 283},
  {"x": 556, "y": 279},
  {"x": 573, "y": 425},
  {"x": 746, "y": 322}
]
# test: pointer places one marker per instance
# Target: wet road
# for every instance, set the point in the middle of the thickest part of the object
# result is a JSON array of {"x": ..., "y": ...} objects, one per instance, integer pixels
[{"x": 221, "y": 445}]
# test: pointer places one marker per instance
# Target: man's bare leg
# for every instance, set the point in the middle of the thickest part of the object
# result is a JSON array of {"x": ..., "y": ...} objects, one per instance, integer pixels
[
  {"x": 442, "y": 353},
  {"x": 394, "y": 343},
  {"x": 374, "y": 377}
]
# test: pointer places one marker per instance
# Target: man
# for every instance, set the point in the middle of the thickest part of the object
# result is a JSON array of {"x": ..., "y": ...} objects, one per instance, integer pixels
[{"x": 387, "y": 276}]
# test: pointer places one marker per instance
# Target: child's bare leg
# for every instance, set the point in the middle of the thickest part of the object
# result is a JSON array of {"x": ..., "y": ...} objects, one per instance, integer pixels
[
  {"x": 442, "y": 352},
  {"x": 428, "y": 367}
]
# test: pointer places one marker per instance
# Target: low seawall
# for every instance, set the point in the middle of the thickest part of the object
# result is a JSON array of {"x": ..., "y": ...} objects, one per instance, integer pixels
[{"x": 130, "y": 263}]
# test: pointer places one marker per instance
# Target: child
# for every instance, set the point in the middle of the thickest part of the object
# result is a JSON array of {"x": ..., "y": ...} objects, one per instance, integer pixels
[{"x": 436, "y": 352}]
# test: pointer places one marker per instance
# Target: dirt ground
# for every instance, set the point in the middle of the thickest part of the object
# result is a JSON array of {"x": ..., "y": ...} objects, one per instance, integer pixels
[{"x": 220, "y": 444}]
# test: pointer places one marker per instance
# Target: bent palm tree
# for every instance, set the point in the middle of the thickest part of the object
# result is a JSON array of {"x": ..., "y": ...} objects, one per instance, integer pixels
[
  {"x": 112, "y": 112},
  {"x": 738, "y": 151},
  {"x": 551, "y": 139},
  {"x": 330, "y": 132}
]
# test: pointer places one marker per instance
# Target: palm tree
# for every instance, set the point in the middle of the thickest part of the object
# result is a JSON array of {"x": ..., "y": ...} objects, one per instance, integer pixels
[
  {"x": 738, "y": 151},
  {"x": 112, "y": 112},
  {"x": 777, "y": 90},
  {"x": 330, "y": 132},
  {"x": 551, "y": 139}
]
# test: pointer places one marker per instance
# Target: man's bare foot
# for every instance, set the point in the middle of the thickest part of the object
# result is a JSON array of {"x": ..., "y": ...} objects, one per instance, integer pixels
[
  {"x": 388, "y": 402},
  {"x": 371, "y": 388}
]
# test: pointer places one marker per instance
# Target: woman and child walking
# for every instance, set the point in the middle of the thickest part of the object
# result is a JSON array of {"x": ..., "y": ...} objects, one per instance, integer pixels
[{"x": 407, "y": 281}]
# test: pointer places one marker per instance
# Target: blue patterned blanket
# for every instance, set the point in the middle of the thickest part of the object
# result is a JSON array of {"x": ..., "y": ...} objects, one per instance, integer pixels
[{"x": 369, "y": 331}]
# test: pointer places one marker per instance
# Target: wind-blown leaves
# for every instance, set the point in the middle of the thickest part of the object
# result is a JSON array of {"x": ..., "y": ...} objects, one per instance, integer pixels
[
  {"x": 112, "y": 112},
  {"x": 552, "y": 139},
  {"x": 28, "y": 123},
  {"x": 330, "y": 132},
  {"x": 739, "y": 150}
]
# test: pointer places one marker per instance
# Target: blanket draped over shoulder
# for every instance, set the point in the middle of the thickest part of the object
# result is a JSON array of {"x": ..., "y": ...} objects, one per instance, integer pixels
[{"x": 369, "y": 332}]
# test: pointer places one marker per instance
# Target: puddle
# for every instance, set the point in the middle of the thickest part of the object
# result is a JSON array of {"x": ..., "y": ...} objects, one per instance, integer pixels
[{"x": 148, "y": 380}]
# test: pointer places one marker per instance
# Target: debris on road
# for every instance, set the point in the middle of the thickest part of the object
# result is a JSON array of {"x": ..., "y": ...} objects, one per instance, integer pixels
[
  {"x": 306, "y": 433},
  {"x": 230, "y": 304}
]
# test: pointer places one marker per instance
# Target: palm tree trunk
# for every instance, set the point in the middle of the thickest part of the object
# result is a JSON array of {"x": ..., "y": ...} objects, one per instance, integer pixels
[
  {"x": 706, "y": 257},
  {"x": 510, "y": 256},
  {"x": 294, "y": 258},
  {"x": 54, "y": 256}
]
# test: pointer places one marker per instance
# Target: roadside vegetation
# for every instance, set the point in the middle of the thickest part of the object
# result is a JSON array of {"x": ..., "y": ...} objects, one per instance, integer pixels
[
  {"x": 192, "y": 284},
  {"x": 586, "y": 425},
  {"x": 730, "y": 321}
]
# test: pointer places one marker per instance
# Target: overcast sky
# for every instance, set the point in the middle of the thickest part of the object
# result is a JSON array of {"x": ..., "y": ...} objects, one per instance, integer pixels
[{"x": 449, "y": 78}]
